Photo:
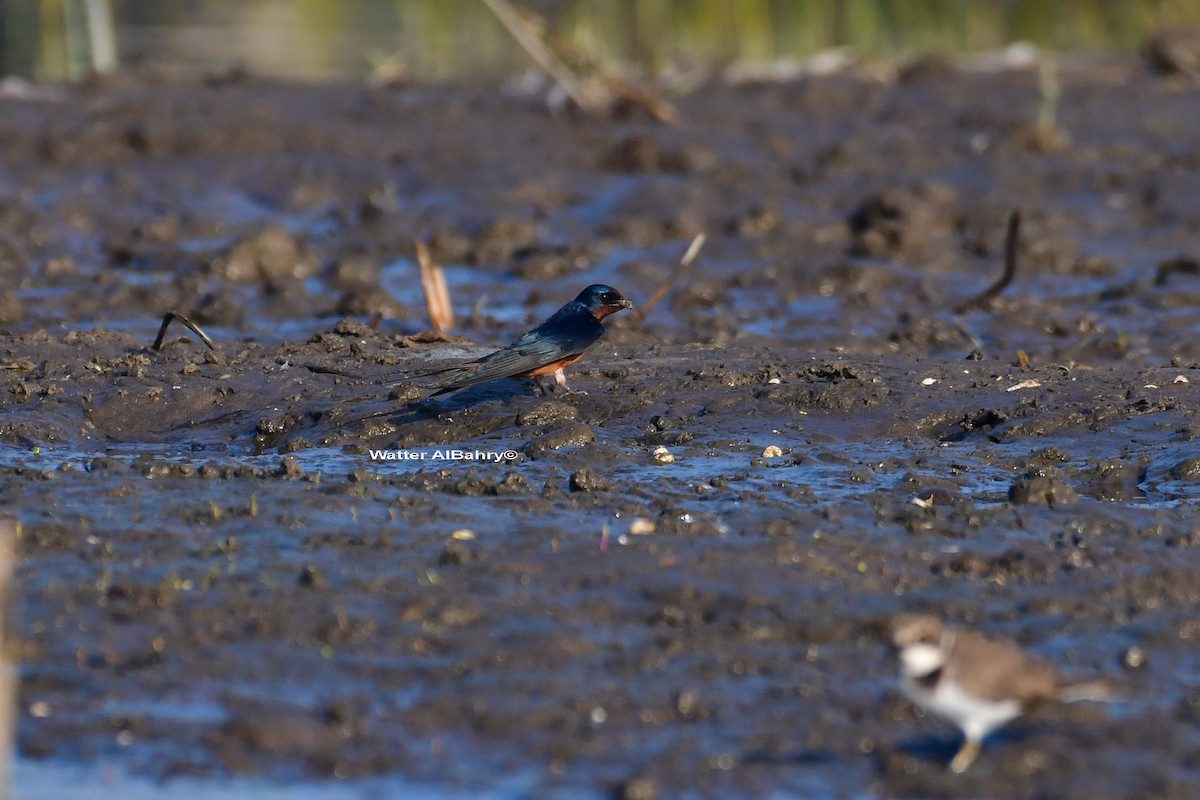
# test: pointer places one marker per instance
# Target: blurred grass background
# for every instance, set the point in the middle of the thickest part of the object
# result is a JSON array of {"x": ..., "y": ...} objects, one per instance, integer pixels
[{"x": 450, "y": 39}]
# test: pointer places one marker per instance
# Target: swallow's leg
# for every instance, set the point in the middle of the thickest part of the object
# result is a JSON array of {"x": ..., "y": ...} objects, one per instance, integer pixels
[
  {"x": 560, "y": 378},
  {"x": 966, "y": 756}
]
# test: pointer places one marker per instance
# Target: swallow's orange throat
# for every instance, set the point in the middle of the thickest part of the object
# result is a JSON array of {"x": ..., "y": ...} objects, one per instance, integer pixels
[{"x": 604, "y": 311}]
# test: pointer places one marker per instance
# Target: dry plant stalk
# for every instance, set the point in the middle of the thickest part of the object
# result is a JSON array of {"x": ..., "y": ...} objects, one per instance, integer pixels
[
  {"x": 1047, "y": 136},
  {"x": 636, "y": 95},
  {"x": 437, "y": 294},
  {"x": 693, "y": 250},
  {"x": 593, "y": 97},
  {"x": 193, "y": 327},
  {"x": 542, "y": 55}
]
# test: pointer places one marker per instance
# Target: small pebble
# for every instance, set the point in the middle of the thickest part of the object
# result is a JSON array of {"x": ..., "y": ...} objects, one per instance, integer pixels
[
  {"x": 1134, "y": 658},
  {"x": 641, "y": 527}
]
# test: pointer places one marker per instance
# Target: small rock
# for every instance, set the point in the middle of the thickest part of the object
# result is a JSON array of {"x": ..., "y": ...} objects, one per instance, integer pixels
[
  {"x": 353, "y": 328},
  {"x": 11, "y": 307},
  {"x": 1134, "y": 658},
  {"x": 687, "y": 703},
  {"x": 1042, "y": 486},
  {"x": 641, "y": 527},
  {"x": 406, "y": 392},
  {"x": 456, "y": 553},
  {"x": 311, "y": 578},
  {"x": 570, "y": 435},
  {"x": 289, "y": 467},
  {"x": 663, "y": 456},
  {"x": 457, "y": 614},
  {"x": 638, "y": 789},
  {"x": 271, "y": 255},
  {"x": 547, "y": 412},
  {"x": 1186, "y": 470},
  {"x": 586, "y": 480}
]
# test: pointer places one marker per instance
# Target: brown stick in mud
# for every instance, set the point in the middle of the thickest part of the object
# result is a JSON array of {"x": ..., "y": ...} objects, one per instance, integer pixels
[
  {"x": 437, "y": 294},
  {"x": 693, "y": 250},
  {"x": 1011, "y": 240},
  {"x": 193, "y": 327}
]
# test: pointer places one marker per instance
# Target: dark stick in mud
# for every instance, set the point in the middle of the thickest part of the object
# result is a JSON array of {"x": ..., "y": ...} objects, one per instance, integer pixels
[
  {"x": 1181, "y": 265},
  {"x": 1011, "y": 240},
  {"x": 193, "y": 327},
  {"x": 685, "y": 262}
]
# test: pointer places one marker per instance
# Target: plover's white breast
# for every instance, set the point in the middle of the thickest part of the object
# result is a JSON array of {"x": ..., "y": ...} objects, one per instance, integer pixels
[{"x": 974, "y": 715}]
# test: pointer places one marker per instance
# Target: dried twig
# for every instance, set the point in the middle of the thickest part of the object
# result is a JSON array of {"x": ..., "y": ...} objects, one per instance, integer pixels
[
  {"x": 693, "y": 250},
  {"x": 437, "y": 295},
  {"x": 521, "y": 30},
  {"x": 1182, "y": 265},
  {"x": 636, "y": 95},
  {"x": 173, "y": 315},
  {"x": 594, "y": 96},
  {"x": 1011, "y": 240}
]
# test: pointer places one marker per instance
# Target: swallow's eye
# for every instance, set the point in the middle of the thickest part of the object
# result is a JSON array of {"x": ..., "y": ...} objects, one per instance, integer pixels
[{"x": 609, "y": 297}]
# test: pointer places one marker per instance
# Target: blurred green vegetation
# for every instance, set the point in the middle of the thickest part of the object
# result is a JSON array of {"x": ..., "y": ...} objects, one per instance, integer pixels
[{"x": 447, "y": 39}]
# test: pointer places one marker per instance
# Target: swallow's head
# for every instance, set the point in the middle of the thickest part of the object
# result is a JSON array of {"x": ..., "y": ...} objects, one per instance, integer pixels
[{"x": 602, "y": 300}]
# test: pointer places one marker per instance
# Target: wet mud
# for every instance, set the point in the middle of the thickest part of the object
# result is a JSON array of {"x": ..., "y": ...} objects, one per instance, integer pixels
[{"x": 679, "y": 583}]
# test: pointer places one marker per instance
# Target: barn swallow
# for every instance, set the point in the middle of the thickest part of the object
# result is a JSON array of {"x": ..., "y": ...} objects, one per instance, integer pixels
[{"x": 557, "y": 343}]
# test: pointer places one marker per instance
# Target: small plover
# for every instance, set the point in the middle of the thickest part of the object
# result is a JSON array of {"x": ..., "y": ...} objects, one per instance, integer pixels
[{"x": 975, "y": 682}]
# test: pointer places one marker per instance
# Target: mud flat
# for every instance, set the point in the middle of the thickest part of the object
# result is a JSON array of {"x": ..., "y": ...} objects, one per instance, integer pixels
[{"x": 219, "y": 581}]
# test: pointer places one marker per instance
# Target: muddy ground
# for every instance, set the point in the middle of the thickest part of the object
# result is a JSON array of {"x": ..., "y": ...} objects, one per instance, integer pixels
[{"x": 217, "y": 579}]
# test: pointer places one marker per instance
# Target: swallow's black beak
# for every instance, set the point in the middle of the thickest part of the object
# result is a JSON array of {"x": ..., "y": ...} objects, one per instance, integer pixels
[{"x": 624, "y": 303}]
